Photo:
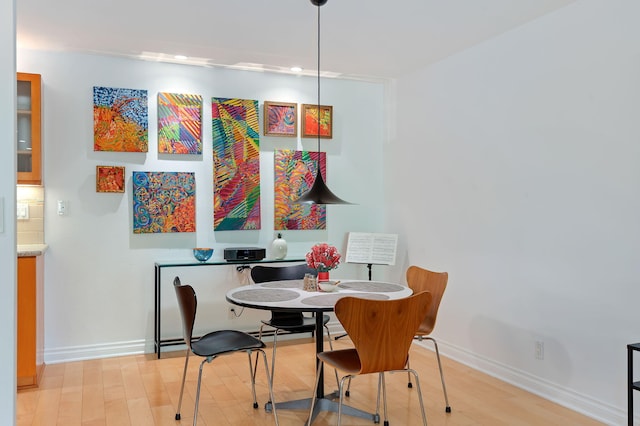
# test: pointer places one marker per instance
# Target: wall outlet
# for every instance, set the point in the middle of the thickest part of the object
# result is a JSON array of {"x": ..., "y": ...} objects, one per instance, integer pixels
[
  {"x": 539, "y": 349},
  {"x": 62, "y": 207}
]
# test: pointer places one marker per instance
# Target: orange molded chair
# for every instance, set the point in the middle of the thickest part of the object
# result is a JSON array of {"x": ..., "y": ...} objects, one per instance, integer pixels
[
  {"x": 420, "y": 279},
  {"x": 214, "y": 344},
  {"x": 382, "y": 332}
]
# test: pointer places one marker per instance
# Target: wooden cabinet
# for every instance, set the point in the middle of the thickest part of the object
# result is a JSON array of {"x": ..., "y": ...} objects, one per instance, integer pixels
[
  {"x": 30, "y": 321},
  {"x": 29, "y": 109}
]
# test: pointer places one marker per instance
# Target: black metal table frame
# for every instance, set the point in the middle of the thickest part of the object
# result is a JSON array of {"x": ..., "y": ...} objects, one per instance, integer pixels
[{"x": 158, "y": 341}]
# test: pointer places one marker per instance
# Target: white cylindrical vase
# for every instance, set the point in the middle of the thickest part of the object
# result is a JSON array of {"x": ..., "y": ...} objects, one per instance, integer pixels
[{"x": 279, "y": 248}]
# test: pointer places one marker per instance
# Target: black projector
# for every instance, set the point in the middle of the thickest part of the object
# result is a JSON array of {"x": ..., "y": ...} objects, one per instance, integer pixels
[{"x": 234, "y": 254}]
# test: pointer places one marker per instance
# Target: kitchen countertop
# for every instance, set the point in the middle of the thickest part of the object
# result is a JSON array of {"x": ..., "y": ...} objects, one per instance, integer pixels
[{"x": 27, "y": 250}]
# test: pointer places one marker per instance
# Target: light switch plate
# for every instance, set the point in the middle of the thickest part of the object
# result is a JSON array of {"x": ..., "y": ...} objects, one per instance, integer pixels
[{"x": 22, "y": 211}]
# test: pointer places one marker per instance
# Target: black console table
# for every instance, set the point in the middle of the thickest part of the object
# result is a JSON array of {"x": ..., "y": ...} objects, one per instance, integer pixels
[
  {"x": 631, "y": 385},
  {"x": 160, "y": 265}
]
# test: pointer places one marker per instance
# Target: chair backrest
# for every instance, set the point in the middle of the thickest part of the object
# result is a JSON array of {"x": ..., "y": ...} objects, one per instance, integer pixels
[
  {"x": 188, "y": 304},
  {"x": 420, "y": 279},
  {"x": 382, "y": 330},
  {"x": 261, "y": 274}
]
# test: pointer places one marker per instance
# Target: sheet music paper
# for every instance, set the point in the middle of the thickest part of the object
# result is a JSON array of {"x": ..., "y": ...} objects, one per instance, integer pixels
[{"x": 370, "y": 248}]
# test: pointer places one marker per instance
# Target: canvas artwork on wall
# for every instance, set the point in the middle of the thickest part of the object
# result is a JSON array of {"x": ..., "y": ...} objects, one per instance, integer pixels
[
  {"x": 310, "y": 118},
  {"x": 280, "y": 119},
  {"x": 179, "y": 123},
  {"x": 109, "y": 178},
  {"x": 236, "y": 164},
  {"x": 295, "y": 173},
  {"x": 164, "y": 202},
  {"x": 120, "y": 120}
]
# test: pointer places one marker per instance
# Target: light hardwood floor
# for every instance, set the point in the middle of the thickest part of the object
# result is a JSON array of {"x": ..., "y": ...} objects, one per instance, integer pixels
[{"x": 141, "y": 390}]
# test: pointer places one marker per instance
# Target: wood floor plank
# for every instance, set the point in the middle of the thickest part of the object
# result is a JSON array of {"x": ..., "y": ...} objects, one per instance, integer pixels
[
  {"x": 117, "y": 412},
  {"x": 93, "y": 404},
  {"x": 70, "y": 410}
]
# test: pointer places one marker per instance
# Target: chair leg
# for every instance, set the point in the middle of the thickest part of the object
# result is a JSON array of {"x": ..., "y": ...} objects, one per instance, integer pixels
[
  {"x": 255, "y": 367},
  {"x": 331, "y": 347},
  {"x": 377, "y": 415},
  {"x": 341, "y": 400},
  {"x": 444, "y": 387},
  {"x": 270, "y": 383},
  {"x": 252, "y": 371},
  {"x": 184, "y": 377},
  {"x": 424, "y": 415},
  {"x": 384, "y": 398},
  {"x": 315, "y": 390},
  {"x": 328, "y": 336},
  {"x": 195, "y": 410},
  {"x": 273, "y": 354}
]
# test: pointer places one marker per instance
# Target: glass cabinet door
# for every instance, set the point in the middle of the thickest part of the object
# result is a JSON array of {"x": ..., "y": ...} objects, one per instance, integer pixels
[{"x": 28, "y": 129}]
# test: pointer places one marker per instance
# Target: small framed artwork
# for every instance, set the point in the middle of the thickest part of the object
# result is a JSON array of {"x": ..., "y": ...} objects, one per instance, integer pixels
[
  {"x": 109, "y": 178},
  {"x": 280, "y": 119},
  {"x": 311, "y": 118}
]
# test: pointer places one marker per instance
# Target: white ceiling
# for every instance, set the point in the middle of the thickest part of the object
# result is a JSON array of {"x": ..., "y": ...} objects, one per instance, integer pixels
[{"x": 360, "y": 39}]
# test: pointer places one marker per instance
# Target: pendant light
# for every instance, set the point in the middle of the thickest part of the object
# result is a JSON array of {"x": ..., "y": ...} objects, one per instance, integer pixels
[{"x": 319, "y": 192}]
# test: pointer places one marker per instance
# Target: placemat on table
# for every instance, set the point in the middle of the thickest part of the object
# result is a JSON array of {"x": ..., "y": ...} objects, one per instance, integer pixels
[
  {"x": 372, "y": 286},
  {"x": 262, "y": 295},
  {"x": 331, "y": 299},
  {"x": 283, "y": 284}
]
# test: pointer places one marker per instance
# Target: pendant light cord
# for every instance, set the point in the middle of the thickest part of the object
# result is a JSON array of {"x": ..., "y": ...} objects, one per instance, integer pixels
[{"x": 318, "y": 117}]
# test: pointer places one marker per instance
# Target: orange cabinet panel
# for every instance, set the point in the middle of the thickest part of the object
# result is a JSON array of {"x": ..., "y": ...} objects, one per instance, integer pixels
[
  {"x": 30, "y": 321},
  {"x": 29, "y": 123}
]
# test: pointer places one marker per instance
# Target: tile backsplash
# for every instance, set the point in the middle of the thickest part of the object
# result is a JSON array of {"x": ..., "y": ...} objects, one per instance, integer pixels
[{"x": 31, "y": 231}]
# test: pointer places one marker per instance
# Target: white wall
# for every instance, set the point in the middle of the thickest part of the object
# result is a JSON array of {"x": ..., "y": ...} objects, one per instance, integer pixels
[
  {"x": 519, "y": 174},
  {"x": 98, "y": 274},
  {"x": 7, "y": 209}
]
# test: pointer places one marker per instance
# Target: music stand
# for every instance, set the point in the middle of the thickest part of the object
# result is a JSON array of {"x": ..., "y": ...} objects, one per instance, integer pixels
[{"x": 371, "y": 249}]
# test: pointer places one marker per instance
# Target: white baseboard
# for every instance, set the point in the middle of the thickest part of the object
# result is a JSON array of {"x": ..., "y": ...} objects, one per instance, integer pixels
[
  {"x": 134, "y": 347},
  {"x": 107, "y": 350},
  {"x": 575, "y": 401}
]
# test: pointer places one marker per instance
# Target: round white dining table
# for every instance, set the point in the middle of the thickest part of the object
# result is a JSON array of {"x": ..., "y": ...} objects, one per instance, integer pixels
[{"x": 289, "y": 296}]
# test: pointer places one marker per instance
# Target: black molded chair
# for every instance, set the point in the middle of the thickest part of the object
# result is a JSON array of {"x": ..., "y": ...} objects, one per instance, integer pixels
[
  {"x": 281, "y": 321},
  {"x": 213, "y": 345}
]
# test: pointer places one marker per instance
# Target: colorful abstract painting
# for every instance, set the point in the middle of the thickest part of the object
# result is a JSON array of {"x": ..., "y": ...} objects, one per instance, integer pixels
[
  {"x": 311, "y": 119},
  {"x": 179, "y": 123},
  {"x": 236, "y": 164},
  {"x": 120, "y": 120},
  {"x": 295, "y": 172},
  {"x": 280, "y": 119},
  {"x": 109, "y": 178},
  {"x": 164, "y": 202}
]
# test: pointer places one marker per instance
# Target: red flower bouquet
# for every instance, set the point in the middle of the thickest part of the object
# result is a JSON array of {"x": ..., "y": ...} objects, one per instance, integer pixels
[{"x": 323, "y": 257}]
